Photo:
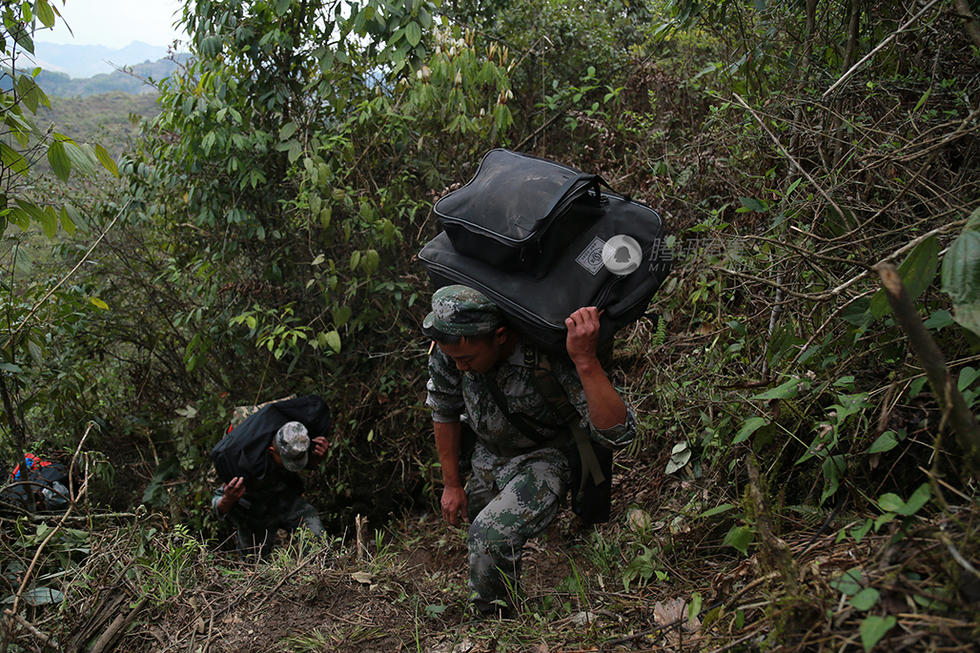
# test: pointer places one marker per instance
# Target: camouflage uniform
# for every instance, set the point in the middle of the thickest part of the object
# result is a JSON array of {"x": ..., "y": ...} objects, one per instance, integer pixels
[
  {"x": 272, "y": 502},
  {"x": 517, "y": 485}
]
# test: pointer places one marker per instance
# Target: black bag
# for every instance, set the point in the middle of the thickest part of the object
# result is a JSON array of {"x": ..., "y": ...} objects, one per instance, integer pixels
[
  {"x": 519, "y": 212},
  {"x": 46, "y": 480},
  {"x": 242, "y": 452},
  {"x": 590, "y": 500},
  {"x": 580, "y": 274}
]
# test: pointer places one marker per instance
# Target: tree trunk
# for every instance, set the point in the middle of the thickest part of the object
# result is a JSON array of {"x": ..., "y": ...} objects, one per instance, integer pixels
[{"x": 853, "y": 32}]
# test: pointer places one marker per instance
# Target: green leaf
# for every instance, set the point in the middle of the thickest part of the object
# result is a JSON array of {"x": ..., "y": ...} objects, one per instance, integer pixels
[
  {"x": 341, "y": 315},
  {"x": 938, "y": 320},
  {"x": 787, "y": 390},
  {"x": 82, "y": 157},
  {"x": 917, "y": 271},
  {"x": 717, "y": 510},
  {"x": 35, "y": 212},
  {"x": 45, "y": 13},
  {"x": 98, "y": 303},
  {"x": 919, "y": 498},
  {"x": 66, "y": 222},
  {"x": 694, "y": 609},
  {"x": 849, "y": 583},
  {"x": 967, "y": 376},
  {"x": 865, "y": 599},
  {"x": 10, "y": 367},
  {"x": 13, "y": 159},
  {"x": 916, "y": 386},
  {"x": 739, "y": 538},
  {"x": 19, "y": 217},
  {"x": 833, "y": 468},
  {"x": 886, "y": 518},
  {"x": 413, "y": 33},
  {"x": 73, "y": 213},
  {"x": 968, "y": 316},
  {"x": 59, "y": 161},
  {"x": 890, "y": 502},
  {"x": 333, "y": 340},
  {"x": 103, "y": 156},
  {"x": 434, "y": 610},
  {"x": 858, "y": 532},
  {"x": 39, "y": 596},
  {"x": 49, "y": 221},
  {"x": 873, "y": 628},
  {"x": 885, "y": 442},
  {"x": 286, "y": 131},
  {"x": 749, "y": 426},
  {"x": 961, "y": 268},
  {"x": 752, "y": 204}
]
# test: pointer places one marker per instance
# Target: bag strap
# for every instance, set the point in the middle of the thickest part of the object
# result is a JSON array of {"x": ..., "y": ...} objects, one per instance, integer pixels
[
  {"x": 520, "y": 422},
  {"x": 547, "y": 384}
]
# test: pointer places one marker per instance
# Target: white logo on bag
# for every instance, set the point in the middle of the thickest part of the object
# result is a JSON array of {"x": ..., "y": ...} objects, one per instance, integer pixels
[
  {"x": 591, "y": 256},
  {"x": 622, "y": 255}
]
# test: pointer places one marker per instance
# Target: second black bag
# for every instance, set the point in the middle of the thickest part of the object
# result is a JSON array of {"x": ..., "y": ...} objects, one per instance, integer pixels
[{"x": 242, "y": 452}]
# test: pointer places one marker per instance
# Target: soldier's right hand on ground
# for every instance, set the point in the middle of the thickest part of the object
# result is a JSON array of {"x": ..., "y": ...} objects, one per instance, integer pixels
[
  {"x": 233, "y": 491},
  {"x": 454, "y": 504}
]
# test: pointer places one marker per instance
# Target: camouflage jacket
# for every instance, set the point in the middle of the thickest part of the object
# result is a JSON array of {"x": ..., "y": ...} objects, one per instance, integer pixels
[
  {"x": 455, "y": 395},
  {"x": 266, "y": 499}
]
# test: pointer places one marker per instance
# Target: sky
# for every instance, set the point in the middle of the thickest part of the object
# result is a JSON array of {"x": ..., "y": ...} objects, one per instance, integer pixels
[{"x": 115, "y": 23}]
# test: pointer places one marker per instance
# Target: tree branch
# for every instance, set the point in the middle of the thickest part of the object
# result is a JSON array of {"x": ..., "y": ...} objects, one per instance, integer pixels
[
  {"x": 943, "y": 387},
  {"x": 970, "y": 23},
  {"x": 886, "y": 41}
]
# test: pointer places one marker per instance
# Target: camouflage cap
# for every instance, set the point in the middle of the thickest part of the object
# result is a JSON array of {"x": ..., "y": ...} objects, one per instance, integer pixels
[
  {"x": 462, "y": 311},
  {"x": 292, "y": 441}
]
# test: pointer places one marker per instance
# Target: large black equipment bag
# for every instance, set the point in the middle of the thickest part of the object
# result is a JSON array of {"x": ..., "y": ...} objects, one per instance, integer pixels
[
  {"x": 242, "y": 452},
  {"x": 482, "y": 247}
]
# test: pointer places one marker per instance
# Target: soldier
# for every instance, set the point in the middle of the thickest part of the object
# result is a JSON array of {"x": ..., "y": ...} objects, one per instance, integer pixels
[
  {"x": 264, "y": 490},
  {"x": 480, "y": 375}
]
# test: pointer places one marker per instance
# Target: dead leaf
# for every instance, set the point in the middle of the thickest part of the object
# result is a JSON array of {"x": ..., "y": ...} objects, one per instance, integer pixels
[
  {"x": 668, "y": 612},
  {"x": 363, "y": 577}
]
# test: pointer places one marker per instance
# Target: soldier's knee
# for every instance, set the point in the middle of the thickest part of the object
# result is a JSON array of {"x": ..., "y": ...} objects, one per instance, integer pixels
[{"x": 489, "y": 537}]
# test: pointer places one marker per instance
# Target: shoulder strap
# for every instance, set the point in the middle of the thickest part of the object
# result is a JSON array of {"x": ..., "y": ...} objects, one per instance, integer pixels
[
  {"x": 547, "y": 384},
  {"x": 519, "y": 422}
]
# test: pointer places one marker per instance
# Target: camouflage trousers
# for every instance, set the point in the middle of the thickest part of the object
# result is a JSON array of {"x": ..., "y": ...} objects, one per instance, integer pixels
[
  {"x": 509, "y": 500},
  {"x": 259, "y": 537}
]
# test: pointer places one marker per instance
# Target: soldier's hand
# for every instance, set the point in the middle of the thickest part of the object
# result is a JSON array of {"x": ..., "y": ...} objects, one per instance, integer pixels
[
  {"x": 319, "y": 447},
  {"x": 583, "y": 333},
  {"x": 454, "y": 504},
  {"x": 233, "y": 491}
]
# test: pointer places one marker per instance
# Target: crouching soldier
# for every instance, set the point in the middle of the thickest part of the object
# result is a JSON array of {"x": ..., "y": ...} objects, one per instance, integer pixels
[
  {"x": 482, "y": 378},
  {"x": 259, "y": 461}
]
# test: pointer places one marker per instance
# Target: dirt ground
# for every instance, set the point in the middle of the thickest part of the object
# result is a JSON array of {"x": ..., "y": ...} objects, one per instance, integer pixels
[{"x": 628, "y": 585}]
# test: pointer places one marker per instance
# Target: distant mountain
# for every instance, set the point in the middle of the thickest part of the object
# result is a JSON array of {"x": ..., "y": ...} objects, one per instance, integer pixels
[
  {"x": 81, "y": 61},
  {"x": 110, "y": 119},
  {"x": 58, "y": 84}
]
